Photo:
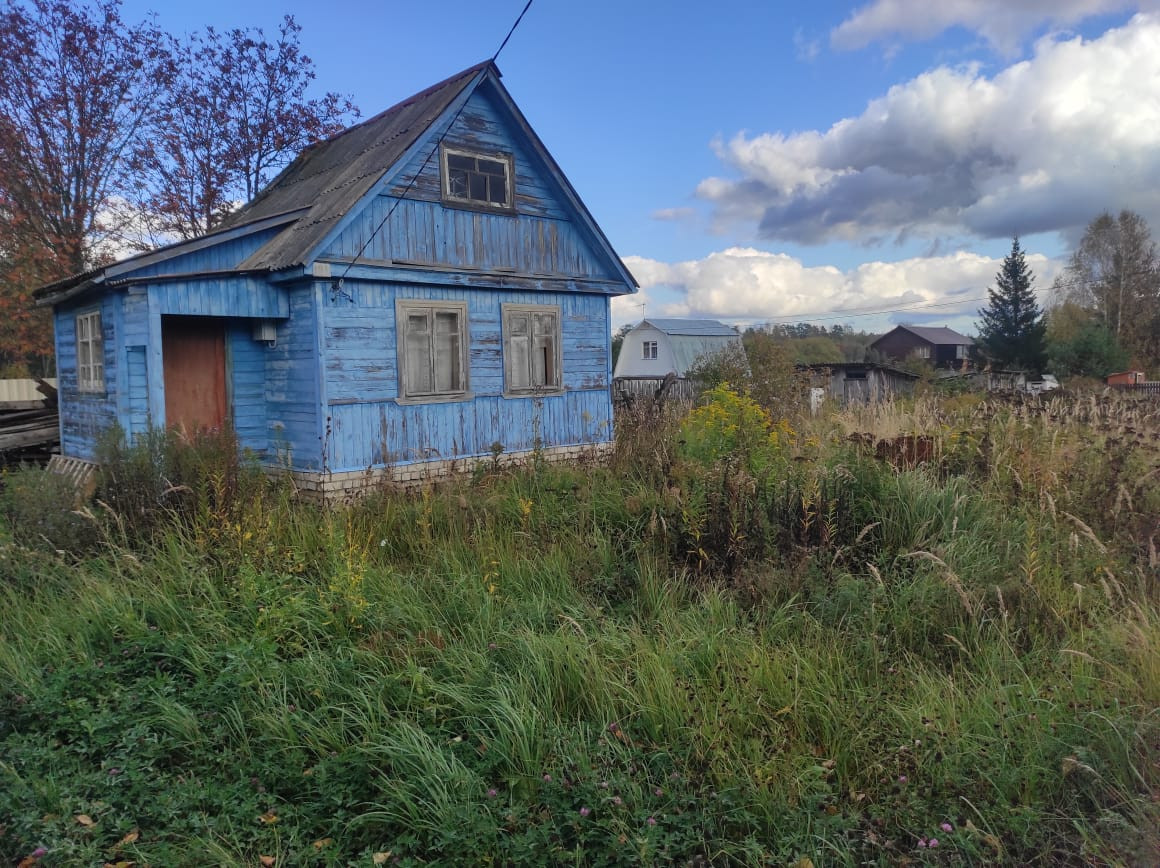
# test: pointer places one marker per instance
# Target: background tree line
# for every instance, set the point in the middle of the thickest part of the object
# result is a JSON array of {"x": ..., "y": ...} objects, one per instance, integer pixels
[
  {"x": 118, "y": 136},
  {"x": 1106, "y": 305}
]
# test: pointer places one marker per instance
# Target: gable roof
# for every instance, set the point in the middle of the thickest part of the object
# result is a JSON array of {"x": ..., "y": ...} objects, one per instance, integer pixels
[
  {"x": 940, "y": 335},
  {"x": 331, "y": 177},
  {"x": 856, "y": 366},
  {"x": 327, "y": 181},
  {"x": 698, "y": 327}
]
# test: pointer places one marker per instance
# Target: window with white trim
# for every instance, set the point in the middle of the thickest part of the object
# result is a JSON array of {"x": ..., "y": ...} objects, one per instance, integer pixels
[
  {"x": 531, "y": 348},
  {"x": 922, "y": 351},
  {"x": 432, "y": 347},
  {"x": 477, "y": 178},
  {"x": 649, "y": 350},
  {"x": 90, "y": 352}
]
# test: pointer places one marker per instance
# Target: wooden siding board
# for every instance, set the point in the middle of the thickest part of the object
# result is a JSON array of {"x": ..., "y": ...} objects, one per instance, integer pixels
[
  {"x": 219, "y": 257},
  {"x": 85, "y": 417},
  {"x": 234, "y": 297},
  {"x": 367, "y": 428},
  {"x": 291, "y": 384},
  {"x": 540, "y": 237},
  {"x": 247, "y": 387}
]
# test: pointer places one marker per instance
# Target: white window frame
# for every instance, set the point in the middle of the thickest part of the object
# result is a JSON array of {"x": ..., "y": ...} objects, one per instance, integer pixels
[
  {"x": 648, "y": 350},
  {"x": 90, "y": 352},
  {"x": 922, "y": 351},
  {"x": 411, "y": 389},
  {"x": 466, "y": 201},
  {"x": 518, "y": 379}
]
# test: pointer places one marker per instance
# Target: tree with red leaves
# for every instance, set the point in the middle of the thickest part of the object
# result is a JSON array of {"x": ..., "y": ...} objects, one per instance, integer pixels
[
  {"x": 115, "y": 136},
  {"x": 78, "y": 88},
  {"x": 236, "y": 113}
]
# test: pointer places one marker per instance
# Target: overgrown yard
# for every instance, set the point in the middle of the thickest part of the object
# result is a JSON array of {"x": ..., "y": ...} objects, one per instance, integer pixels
[{"x": 747, "y": 641}]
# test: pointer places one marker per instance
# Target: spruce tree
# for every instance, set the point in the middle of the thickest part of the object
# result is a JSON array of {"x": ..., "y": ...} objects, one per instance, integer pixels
[{"x": 1013, "y": 331}]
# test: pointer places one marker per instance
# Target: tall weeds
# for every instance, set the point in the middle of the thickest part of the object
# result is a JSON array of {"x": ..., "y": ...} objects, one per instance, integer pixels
[{"x": 786, "y": 649}]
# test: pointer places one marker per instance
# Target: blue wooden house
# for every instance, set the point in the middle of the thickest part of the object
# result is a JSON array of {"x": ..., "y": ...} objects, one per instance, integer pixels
[{"x": 422, "y": 290}]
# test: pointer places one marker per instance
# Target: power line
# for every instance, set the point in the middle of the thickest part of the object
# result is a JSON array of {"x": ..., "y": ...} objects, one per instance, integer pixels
[{"x": 336, "y": 286}]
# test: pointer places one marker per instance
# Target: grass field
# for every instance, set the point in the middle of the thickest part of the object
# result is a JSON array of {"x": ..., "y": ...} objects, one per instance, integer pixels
[{"x": 746, "y": 641}]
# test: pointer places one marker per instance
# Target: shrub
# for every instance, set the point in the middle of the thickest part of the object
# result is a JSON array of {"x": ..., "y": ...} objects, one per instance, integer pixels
[{"x": 41, "y": 510}]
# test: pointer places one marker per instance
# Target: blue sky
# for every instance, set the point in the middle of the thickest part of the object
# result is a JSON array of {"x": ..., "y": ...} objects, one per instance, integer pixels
[{"x": 757, "y": 161}]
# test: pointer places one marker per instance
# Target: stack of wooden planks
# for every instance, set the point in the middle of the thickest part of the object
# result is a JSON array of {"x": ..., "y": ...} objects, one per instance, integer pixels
[{"x": 28, "y": 419}]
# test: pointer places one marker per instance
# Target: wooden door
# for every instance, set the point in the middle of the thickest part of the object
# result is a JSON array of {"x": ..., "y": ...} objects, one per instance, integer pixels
[{"x": 194, "y": 352}]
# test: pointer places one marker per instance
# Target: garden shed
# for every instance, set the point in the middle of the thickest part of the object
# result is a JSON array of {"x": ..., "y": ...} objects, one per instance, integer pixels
[
  {"x": 420, "y": 291},
  {"x": 861, "y": 382}
]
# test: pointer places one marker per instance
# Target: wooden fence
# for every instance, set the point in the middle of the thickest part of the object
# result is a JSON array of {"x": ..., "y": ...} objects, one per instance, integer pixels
[
  {"x": 1152, "y": 388},
  {"x": 627, "y": 390}
]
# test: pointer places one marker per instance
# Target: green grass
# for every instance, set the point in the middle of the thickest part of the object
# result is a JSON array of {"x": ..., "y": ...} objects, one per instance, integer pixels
[{"x": 541, "y": 667}]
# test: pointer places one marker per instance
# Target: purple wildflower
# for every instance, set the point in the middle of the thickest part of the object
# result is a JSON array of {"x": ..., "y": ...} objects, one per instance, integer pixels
[
  {"x": 492, "y": 793},
  {"x": 902, "y": 779},
  {"x": 617, "y": 800},
  {"x": 658, "y": 791},
  {"x": 547, "y": 778},
  {"x": 37, "y": 853},
  {"x": 947, "y": 827},
  {"x": 933, "y": 843},
  {"x": 652, "y": 821},
  {"x": 922, "y": 843},
  {"x": 584, "y": 812}
]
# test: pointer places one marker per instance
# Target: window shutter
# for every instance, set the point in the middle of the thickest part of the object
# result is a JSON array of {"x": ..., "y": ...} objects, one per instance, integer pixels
[
  {"x": 447, "y": 358},
  {"x": 418, "y": 350},
  {"x": 519, "y": 350}
]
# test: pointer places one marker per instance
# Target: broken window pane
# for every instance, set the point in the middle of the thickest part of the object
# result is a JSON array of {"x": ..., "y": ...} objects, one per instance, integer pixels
[{"x": 477, "y": 178}]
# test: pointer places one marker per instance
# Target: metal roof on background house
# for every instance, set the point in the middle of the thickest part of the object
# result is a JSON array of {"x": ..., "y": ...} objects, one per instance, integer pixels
[
  {"x": 938, "y": 335},
  {"x": 699, "y": 327}
]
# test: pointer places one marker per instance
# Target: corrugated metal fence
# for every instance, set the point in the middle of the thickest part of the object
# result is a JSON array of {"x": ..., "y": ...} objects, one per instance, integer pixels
[{"x": 21, "y": 391}]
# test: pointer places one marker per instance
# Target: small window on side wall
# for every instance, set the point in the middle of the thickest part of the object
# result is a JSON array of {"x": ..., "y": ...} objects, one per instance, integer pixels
[
  {"x": 432, "y": 349},
  {"x": 90, "y": 352},
  {"x": 649, "y": 350},
  {"x": 532, "y": 349},
  {"x": 478, "y": 179}
]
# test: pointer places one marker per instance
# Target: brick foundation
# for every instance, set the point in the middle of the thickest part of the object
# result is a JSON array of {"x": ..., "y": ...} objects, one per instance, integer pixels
[{"x": 348, "y": 485}]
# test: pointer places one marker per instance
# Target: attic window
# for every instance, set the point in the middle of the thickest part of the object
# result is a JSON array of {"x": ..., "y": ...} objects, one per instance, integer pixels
[
  {"x": 649, "y": 349},
  {"x": 477, "y": 179}
]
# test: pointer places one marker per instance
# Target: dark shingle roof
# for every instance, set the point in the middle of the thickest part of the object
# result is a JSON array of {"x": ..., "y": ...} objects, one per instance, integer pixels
[
  {"x": 331, "y": 177},
  {"x": 940, "y": 335},
  {"x": 698, "y": 327}
]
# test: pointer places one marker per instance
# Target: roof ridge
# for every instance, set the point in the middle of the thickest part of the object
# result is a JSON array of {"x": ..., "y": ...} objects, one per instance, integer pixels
[
  {"x": 411, "y": 100},
  {"x": 286, "y": 178}
]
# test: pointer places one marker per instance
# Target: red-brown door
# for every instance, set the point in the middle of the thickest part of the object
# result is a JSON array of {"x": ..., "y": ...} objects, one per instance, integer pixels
[{"x": 194, "y": 350}]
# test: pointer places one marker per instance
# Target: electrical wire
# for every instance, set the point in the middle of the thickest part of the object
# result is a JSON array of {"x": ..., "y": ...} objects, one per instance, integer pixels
[{"x": 336, "y": 285}]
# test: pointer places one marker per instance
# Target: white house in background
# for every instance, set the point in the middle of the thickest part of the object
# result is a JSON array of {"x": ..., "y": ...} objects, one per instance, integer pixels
[{"x": 658, "y": 347}]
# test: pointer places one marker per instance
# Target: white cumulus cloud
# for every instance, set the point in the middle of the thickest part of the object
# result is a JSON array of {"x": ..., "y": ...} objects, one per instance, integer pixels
[
  {"x": 1045, "y": 144},
  {"x": 745, "y": 284},
  {"x": 1003, "y": 23}
]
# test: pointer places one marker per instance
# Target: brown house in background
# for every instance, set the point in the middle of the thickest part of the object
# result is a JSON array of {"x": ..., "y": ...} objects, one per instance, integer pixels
[
  {"x": 1126, "y": 378},
  {"x": 941, "y": 346}
]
